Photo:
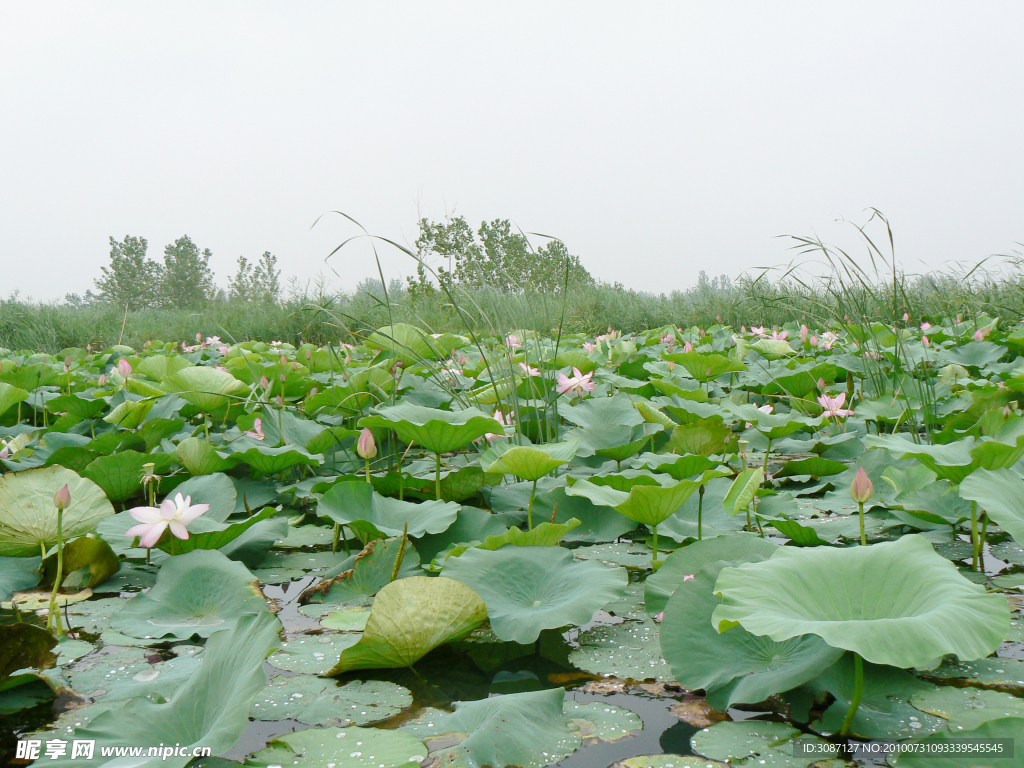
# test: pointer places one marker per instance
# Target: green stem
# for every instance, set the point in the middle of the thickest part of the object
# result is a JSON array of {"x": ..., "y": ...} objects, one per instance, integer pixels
[
  {"x": 981, "y": 543},
  {"x": 767, "y": 453},
  {"x": 654, "y": 558},
  {"x": 863, "y": 538},
  {"x": 53, "y": 620},
  {"x": 974, "y": 535},
  {"x": 858, "y": 690},
  {"x": 337, "y": 535},
  {"x": 437, "y": 477},
  {"x": 700, "y": 509},
  {"x": 529, "y": 508},
  {"x": 368, "y": 472}
]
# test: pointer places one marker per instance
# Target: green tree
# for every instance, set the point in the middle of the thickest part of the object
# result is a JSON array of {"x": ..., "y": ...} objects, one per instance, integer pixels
[
  {"x": 131, "y": 279},
  {"x": 187, "y": 278},
  {"x": 495, "y": 257},
  {"x": 259, "y": 282}
]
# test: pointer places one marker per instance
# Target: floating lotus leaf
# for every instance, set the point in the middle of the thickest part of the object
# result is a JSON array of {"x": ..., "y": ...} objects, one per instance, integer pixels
[
  {"x": 600, "y": 721},
  {"x": 734, "y": 667},
  {"x": 28, "y": 519},
  {"x": 365, "y": 573},
  {"x": 132, "y": 672},
  {"x": 648, "y": 504},
  {"x": 18, "y": 573},
  {"x": 24, "y": 646},
  {"x": 1000, "y": 493},
  {"x": 528, "y": 730},
  {"x": 758, "y": 742},
  {"x": 967, "y": 708},
  {"x": 321, "y": 701},
  {"x": 895, "y": 603},
  {"x": 209, "y": 534},
  {"x": 217, "y": 490},
  {"x": 629, "y": 650},
  {"x": 312, "y": 654},
  {"x": 197, "y": 593},
  {"x": 963, "y": 755},
  {"x": 527, "y": 462},
  {"x": 470, "y": 525},
  {"x": 200, "y": 458},
  {"x": 210, "y": 709},
  {"x": 205, "y": 387},
  {"x": 87, "y": 562},
  {"x": 349, "y": 747},
  {"x": 436, "y": 430},
  {"x": 543, "y": 535},
  {"x": 354, "y": 500},
  {"x": 528, "y": 589},
  {"x": 411, "y": 617}
]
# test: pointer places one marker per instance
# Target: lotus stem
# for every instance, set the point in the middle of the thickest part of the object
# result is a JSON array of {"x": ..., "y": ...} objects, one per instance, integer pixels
[
  {"x": 767, "y": 454},
  {"x": 401, "y": 552},
  {"x": 368, "y": 472},
  {"x": 529, "y": 507},
  {"x": 860, "y": 511},
  {"x": 700, "y": 510},
  {"x": 337, "y": 535},
  {"x": 53, "y": 620},
  {"x": 437, "y": 477},
  {"x": 981, "y": 543},
  {"x": 974, "y": 535},
  {"x": 654, "y": 556},
  {"x": 858, "y": 690}
]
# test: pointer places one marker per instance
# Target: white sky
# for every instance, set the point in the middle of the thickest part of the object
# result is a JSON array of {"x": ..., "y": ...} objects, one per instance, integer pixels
[{"x": 656, "y": 139}]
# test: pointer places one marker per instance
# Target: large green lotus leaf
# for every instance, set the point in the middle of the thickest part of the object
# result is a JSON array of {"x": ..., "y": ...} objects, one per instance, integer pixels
[
  {"x": 772, "y": 349},
  {"x": 528, "y": 730},
  {"x": 10, "y": 396},
  {"x": 734, "y": 667},
  {"x": 200, "y": 458},
  {"x": 974, "y": 354},
  {"x": 634, "y": 442},
  {"x": 406, "y": 342},
  {"x": 209, "y": 534},
  {"x": 217, "y": 490},
  {"x": 815, "y": 466},
  {"x": 895, "y": 603},
  {"x": 952, "y": 461},
  {"x": 705, "y": 367},
  {"x": 470, "y": 525},
  {"x": 16, "y": 574},
  {"x": 760, "y": 742},
  {"x": 648, "y": 504},
  {"x": 702, "y": 438},
  {"x": 350, "y": 747},
  {"x": 597, "y": 412},
  {"x": 527, "y": 462},
  {"x": 197, "y": 593},
  {"x": 995, "y": 454},
  {"x": 210, "y": 710},
  {"x": 773, "y": 425},
  {"x": 131, "y": 672},
  {"x": 321, "y": 701},
  {"x": 28, "y": 519},
  {"x": 130, "y": 413},
  {"x": 543, "y": 535},
  {"x": 938, "y": 502},
  {"x": 967, "y": 708},
  {"x": 628, "y": 650},
  {"x": 120, "y": 474},
  {"x": 87, "y": 562},
  {"x": 312, "y": 654},
  {"x": 743, "y": 490},
  {"x": 689, "y": 560},
  {"x": 204, "y": 387},
  {"x": 436, "y": 430},
  {"x": 356, "y": 500},
  {"x": 411, "y": 617},
  {"x": 158, "y": 367},
  {"x": 365, "y": 573},
  {"x": 266, "y": 460},
  {"x": 527, "y": 589},
  {"x": 77, "y": 405},
  {"x": 676, "y": 466},
  {"x": 24, "y": 646},
  {"x": 251, "y": 547},
  {"x": 1000, "y": 492},
  {"x": 963, "y": 755},
  {"x": 598, "y": 524}
]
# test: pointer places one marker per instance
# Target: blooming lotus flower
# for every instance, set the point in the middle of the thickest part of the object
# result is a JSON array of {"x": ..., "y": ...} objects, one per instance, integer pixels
[
  {"x": 527, "y": 370},
  {"x": 577, "y": 385},
  {"x": 667, "y": 339},
  {"x": 758, "y": 330},
  {"x": 512, "y": 341},
  {"x": 256, "y": 433},
  {"x": 828, "y": 339},
  {"x": 176, "y": 515},
  {"x": 687, "y": 347},
  {"x": 589, "y": 346},
  {"x": 925, "y": 326},
  {"x": 834, "y": 405},
  {"x": 124, "y": 368},
  {"x": 224, "y": 349},
  {"x": 862, "y": 489},
  {"x": 508, "y": 421},
  {"x": 779, "y": 335},
  {"x": 366, "y": 447},
  {"x": 213, "y": 340}
]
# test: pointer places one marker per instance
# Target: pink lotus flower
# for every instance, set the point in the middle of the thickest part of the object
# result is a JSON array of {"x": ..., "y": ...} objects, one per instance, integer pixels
[
  {"x": 224, "y": 349},
  {"x": 925, "y": 341},
  {"x": 779, "y": 335},
  {"x": 256, "y": 433},
  {"x": 906, "y": 317},
  {"x": 758, "y": 330},
  {"x": 814, "y": 341},
  {"x": 176, "y": 515},
  {"x": 667, "y": 339},
  {"x": 589, "y": 346},
  {"x": 124, "y": 368},
  {"x": 366, "y": 446},
  {"x": 834, "y": 405},
  {"x": 508, "y": 421},
  {"x": 671, "y": 365},
  {"x": 512, "y": 341},
  {"x": 103, "y": 380},
  {"x": 862, "y": 489},
  {"x": 925, "y": 326},
  {"x": 828, "y": 339},
  {"x": 528, "y": 371},
  {"x": 687, "y": 347},
  {"x": 577, "y": 385},
  {"x": 264, "y": 383}
]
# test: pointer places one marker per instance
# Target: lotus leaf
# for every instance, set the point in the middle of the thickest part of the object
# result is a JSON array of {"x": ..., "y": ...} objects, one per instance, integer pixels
[
  {"x": 18, "y": 573},
  {"x": 354, "y": 500},
  {"x": 411, "y": 617},
  {"x": 1011, "y": 728},
  {"x": 312, "y": 654},
  {"x": 895, "y": 603},
  {"x": 527, "y": 462},
  {"x": 197, "y": 593},
  {"x": 28, "y": 519},
  {"x": 209, "y": 534},
  {"x": 319, "y": 701},
  {"x": 350, "y": 747},
  {"x": 87, "y": 562},
  {"x": 437, "y": 431},
  {"x": 628, "y": 650},
  {"x": 768, "y": 743},
  {"x": 1000, "y": 493},
  {"x": 528, "y": 589},
  {"x": 205, "y": 387},
  {"x": 365, "y": 573},
  {"x": 23, "y": 646}
]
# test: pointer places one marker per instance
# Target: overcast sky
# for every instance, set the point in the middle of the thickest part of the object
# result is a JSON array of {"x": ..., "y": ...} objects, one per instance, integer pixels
[{"x": 655, "y": 139}]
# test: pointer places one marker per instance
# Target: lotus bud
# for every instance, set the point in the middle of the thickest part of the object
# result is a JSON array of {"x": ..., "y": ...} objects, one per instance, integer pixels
[
  {"x": 199, "y": 337},
  {"x": 124, "y": 368},
  {"x": 348, "y": 359},
  {"x": 671, "y": 366},
  {"x": 803, "y": 334},
  {"x": 280, "y": 401},
  {"x": 309, "y": 354},
  {"x": 264, "y": 383},
  {"x": 978, "y": 335},
  {"x": 224, "y": 349},
  {"x": 283, "y": 378},
  {"x": 906, "y": 317},
  {"x": 719, "y": 319},
  {"x": 687, "y": 347},
  {"x": 925, "y": 341},
  {"x": 821, "y": 384},
  {"x": 313, "y": 391},
  {"x": 365, "y": 446},
  {"x": 103, "y": 380},
  {"x": 814, "y": 341},
  {"x": 743, "y": 329},
  {"x": 62, "y": 498},
  {"x": 861, "y": 489}
]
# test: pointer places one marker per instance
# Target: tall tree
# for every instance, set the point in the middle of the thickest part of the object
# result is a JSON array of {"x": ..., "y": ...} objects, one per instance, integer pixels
[
  {"x": 187, "y": 277},
  {"x": 259, "y": 282},
  {"x": 131, "y": 279}
]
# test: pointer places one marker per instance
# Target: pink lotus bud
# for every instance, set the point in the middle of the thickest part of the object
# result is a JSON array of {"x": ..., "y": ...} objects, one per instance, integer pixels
[
  {"x": 199, "y": 337},
  {"x": 687, "y": 347},
  {"x": 309, "y": 354},
  {"x": 978, "y": 335},
  {"x": 925, "y": 341},
  {"x": 463, "y": 359},
  {"x": 224, "y": 349},
  {"x": 283, "y": 360},
  {"x": 718, "y": 318},
  {"x": 62, "y": 499},
  {"x": 279, "y": 401},
  {"x": 814, "y": 341},
  {"x": 67, "y": 367},
  {"x": 67, "y": 362},
  {"x": 283, "y": 378},
  {"x": 671, "y": 366},
  {"x": 103, "y": 380},
  {"x": 743, "y": 329},
  {"x": 264, "y": 383},
  {"x": 313, "y": 391},
  {"x": 906, "y": 317},
  {"x": 365, "y": 446},
  {"x": 124, "y": 368},
  {"x": 821, "y": 384},
  {"x": 803, "y": 334},
  {"x": 348, "y": 359},
  {"x": 861, "y": 489},
  {"x": 1007, "y": 412}
]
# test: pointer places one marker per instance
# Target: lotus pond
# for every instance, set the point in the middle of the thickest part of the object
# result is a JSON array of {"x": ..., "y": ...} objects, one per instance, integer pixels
[{"x": 678, "y": 548}]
